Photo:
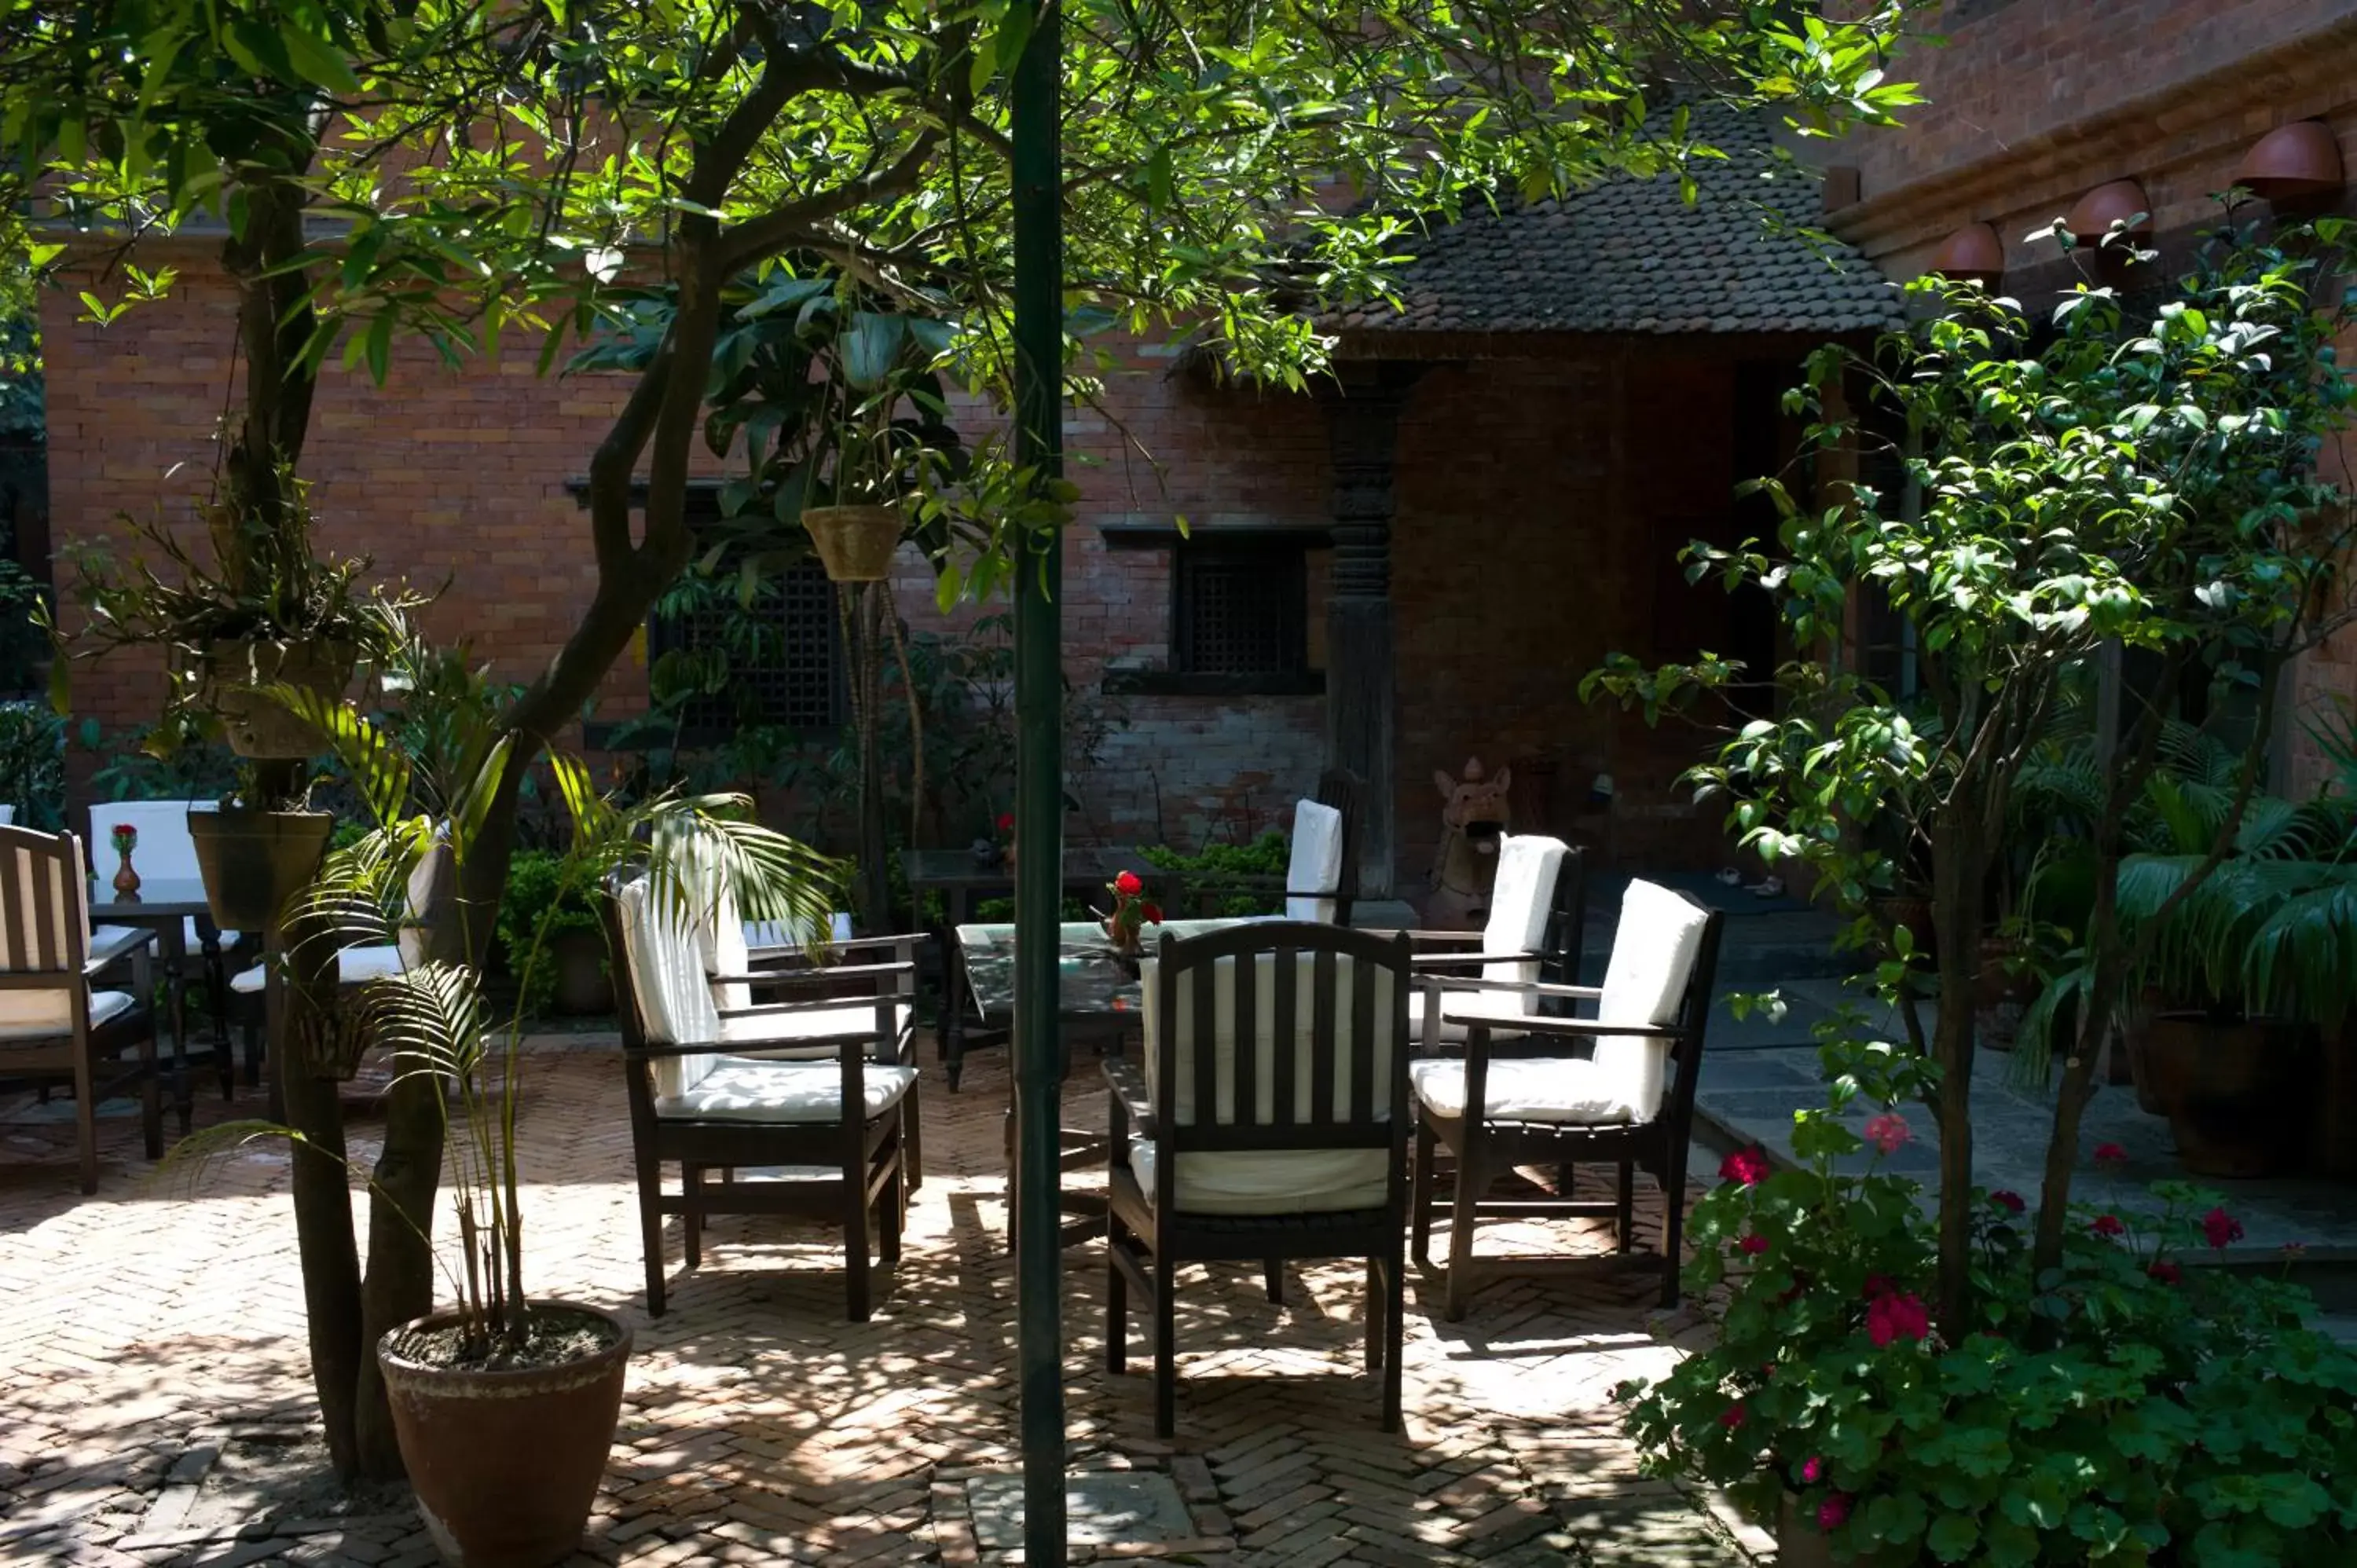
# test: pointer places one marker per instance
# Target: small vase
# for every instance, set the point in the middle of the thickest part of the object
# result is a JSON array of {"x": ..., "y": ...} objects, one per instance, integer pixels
[
  {"x": 1125, "y": 941},
  {"x": 126, "y": 881}
]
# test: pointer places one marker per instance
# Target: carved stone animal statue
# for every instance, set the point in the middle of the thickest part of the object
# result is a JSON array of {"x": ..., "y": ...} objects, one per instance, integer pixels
[{"x": 1473, "y": 818}]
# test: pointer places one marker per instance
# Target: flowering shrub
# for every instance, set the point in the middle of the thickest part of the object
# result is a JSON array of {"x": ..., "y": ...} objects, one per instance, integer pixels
[{"x": 2126, "y": 1407}]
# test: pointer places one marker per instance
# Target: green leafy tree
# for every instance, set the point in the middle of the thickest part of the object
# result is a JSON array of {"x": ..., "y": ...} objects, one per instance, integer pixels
[{"x": 2130, "y": 486}]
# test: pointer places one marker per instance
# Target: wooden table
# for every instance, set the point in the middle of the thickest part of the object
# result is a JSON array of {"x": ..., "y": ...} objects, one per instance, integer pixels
[
  {"x": 961, "y": 879},
  {"x": 1096, "y": 993},
  {"x": 165, "y": 905}
]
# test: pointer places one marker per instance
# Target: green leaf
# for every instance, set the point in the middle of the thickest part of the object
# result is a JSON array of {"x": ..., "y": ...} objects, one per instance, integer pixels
[
  {"x": 318, "y": 60},
  {"x": 1953, "y": 1537}
]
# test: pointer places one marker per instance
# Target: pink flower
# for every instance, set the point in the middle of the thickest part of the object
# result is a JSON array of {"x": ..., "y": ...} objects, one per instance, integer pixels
[
  {"x": 1734, "y": 1415},
  {"x": 2007, "y": 1201},
  {"x": 1812, "y": 1470},
  {"x": 2107, "y": 1224},
  {"x": 1749, "y": 1166},
  {"x": 1888, "y": 1132},
  {"x": 2110, "y": 1154},
  {"x": 1834, "y": 1512},
  {"x": 2294, "y": 1252},
  {"x": 1893, "y": 1315},
  {"x": 1128, "y": 885},
  {"x": 1754, "y": 1245},
  {"x": 2220, "y": 1228},
  {"x": 2163, "y": 1270}
]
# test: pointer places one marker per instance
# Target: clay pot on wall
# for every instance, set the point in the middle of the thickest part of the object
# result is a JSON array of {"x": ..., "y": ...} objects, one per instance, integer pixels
[{"x": 2229, "y": 1087}]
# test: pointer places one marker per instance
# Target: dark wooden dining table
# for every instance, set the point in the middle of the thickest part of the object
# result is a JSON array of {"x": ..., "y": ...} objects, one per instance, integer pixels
[{"x": 165, "y": 905}]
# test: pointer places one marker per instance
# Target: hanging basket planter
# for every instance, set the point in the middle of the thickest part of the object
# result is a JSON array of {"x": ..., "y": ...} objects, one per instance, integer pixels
[
  {"x": 856, "y": 543},
  {"x": 256, "y": 724}
]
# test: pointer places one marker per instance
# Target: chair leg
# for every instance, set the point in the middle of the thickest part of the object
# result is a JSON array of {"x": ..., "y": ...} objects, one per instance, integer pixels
[
  {"x": 86, "y": 1130},
  {"x": 1117, "y": 1339},
  {"x": 858, "y": 1292},
  {"x": 151, "y": 1102},
  {"x": 251, "y": 1028},
  {"x": 1378, "y": 1325},
  {"x": 691, "y": 1219},
  {"x": 912, "y": 1142},
  {"x": 888, "y": 1223},
  {"x": 1420, "y": 1194},
  {"x": 1458, "y": 1289},
  {"x": 1674, "y": 1225},
  {"x": 1395, "y": 1332},
  {"x": 1272, "y": 1273},
  {"x": 1166, "y": 1345},
  {"x": 651, "y": 1229},
  {"x": 1624, "y": 1218}
]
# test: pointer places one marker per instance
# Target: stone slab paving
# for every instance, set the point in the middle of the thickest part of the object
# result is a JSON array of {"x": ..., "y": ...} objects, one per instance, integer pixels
[
  {"x": 1755, "y": 1079},
  {"x": 155, "y": 1407}
]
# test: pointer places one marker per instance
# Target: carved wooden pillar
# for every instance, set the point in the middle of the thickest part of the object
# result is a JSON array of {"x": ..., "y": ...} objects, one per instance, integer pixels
[{"x": 1361, "y": 702}]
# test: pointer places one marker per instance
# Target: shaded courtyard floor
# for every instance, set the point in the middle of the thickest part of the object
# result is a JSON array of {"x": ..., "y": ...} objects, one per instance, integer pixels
[{"x": 155, "y": 1398}]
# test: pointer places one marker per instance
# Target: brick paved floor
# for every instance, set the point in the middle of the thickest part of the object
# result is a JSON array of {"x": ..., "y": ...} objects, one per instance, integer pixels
[{"x": 153, "y": 1393}]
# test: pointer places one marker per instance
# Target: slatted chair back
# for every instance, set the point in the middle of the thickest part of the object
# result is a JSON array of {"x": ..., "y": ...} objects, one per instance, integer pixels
[
  {"x": 44, "y": 931},
  {"x": 1277, "y": 1036}
]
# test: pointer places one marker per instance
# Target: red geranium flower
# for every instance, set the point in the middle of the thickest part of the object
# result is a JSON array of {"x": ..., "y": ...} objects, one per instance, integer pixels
[
  {"x": 2009, "y": 1201},
  {"x": 2107, "y": 1224},
  {"x": 1734, "y": 1415},
  {"x": 1128, "y": 885},
  {"x": 1834, "y": 1512},
  {"x": 125, "y": 829},
  {"x": 2220, "y": 1228},
  {"x": 1755, "y": 1245},
  {"x": 1007, "y": 822},
  {"x": 1153, "y": 913},
  {"x": 1897, "y": 1316},
  {"x": 1813, "y": 1470},
  {"x": 1749, "y": 1166},
  {"x": 2163, "y": 1270},
  {"x": 2110, "y": 1154}
]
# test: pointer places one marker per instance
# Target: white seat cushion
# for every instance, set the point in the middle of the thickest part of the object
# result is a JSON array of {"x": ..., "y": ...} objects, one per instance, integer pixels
[
  {"x": 783, "y": 1093},
  {"x": 354, "y": 966},
  {"x": 1316, "y": 865},
  {"x": 1281, "y": 1181},
  {"x": 1527, "y": 1089},
  {"x": 854, "y": 1020},
  {"x": 103, "y": 1006}
]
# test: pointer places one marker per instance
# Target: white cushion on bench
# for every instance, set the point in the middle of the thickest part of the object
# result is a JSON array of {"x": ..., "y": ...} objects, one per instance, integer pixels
[
  {"x": 1569, "y": 1090},
  {"x": 354, "y": 966},
  {"x": 781, "y": 1092}
]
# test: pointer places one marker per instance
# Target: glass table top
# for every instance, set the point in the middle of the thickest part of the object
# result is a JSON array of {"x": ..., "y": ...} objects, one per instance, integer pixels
[{"x": 1092, "y": 983}]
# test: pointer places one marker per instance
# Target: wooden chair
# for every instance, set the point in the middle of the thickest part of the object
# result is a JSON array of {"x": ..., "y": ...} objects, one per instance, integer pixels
[
  {"x": 1242, "y": 1137},
  {"x": 1623, "y": 1102},
  {"x": 53, "y": 1025},
  {"x": 692, "y": 1105},
  {"x": 1538, "y": 921}
]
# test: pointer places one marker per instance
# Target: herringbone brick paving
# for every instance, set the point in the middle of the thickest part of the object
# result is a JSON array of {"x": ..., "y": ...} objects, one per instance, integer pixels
[{"x": 143, "y": 1329}]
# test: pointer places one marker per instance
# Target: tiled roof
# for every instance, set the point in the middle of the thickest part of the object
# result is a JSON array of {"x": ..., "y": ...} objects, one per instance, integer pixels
[{"x": 1629, "y": 256}]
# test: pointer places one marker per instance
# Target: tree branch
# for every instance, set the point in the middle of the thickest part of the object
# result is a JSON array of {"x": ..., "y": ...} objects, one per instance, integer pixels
[{"x": 781, "y": 227}]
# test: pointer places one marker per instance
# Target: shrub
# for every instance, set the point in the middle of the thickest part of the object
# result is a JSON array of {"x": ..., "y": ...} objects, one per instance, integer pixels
[{"x": 536, "y": 883}]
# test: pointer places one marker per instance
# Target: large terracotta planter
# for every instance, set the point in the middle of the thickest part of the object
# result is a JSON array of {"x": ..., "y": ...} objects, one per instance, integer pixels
[
  {"x": 257, "y": 725},
  {"x": 2235, "y": 1092},
  {"x": 253, "y": 862},
  {"x": 856, "y": 543},
  {"x": 506, "y": 1464}
]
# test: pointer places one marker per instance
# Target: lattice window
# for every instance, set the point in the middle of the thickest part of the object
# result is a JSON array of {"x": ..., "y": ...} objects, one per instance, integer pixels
[
  {"x": 1240, "y": 607},
  {"x": 784, "y": 667}
]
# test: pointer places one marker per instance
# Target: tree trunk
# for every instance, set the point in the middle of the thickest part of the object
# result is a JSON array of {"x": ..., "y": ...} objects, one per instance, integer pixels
[
  {"x": 400, "y": 1280},
  {"x": 1959, "y": 867},
  {"x": 323, "y": 1222}
]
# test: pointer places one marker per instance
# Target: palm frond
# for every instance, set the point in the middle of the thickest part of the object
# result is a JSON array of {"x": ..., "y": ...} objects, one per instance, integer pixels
[{"x": 2301, "y": 960}]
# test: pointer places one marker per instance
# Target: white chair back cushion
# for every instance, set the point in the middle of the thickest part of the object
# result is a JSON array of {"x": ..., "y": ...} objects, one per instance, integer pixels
[
  {"x": 422, "y": 902},
  {"x": 1278, "y": 1181},
  {"x": 1529, "y": 865},
  {"x": 1316, "y": 866},
  {"x": 47, "y": 931},
  {"x": 165, "y": 852},
  {"x": 674, "y": 999},
  {"x": 1653, "y": 952},
  {"x": 720, "y": 941},
  {"x": 7, "y": 816}
]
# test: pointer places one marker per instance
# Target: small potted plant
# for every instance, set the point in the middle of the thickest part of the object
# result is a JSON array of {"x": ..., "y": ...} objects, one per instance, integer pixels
[
  {"x": 124, "y": 838},
  {"x": 1124, "y": 927},
  {"x": 877, "y": 456}
]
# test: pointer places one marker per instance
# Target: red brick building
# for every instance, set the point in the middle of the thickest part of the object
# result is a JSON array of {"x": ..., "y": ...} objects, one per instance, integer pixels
[{"x": 1419, "y": 562}]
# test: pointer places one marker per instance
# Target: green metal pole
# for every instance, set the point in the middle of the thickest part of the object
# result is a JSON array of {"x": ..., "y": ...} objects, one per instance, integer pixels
[{"x": 1039, "y": 793}]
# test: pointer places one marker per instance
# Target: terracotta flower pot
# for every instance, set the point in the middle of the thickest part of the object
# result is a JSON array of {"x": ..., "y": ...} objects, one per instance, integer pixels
[
  {"x": 259, "y": 725},
  {"x": 2226, "y": 1086},
  {"x": 856, "y": 543},
  {"x": 253, "y": 862},
  {"x": 506, "y": 1464}
]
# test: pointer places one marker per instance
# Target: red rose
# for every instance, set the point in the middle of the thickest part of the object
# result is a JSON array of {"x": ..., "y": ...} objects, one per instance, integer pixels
[
  {"x": 1007, "y": 822},
  {"x": 1897, "y": 1316},
  {"x": 1755, "y": 1245},
  {"x": 2163, "y": 1270},
  {"x": 2220, "y": 1228},
  {"x": 2110, "y": 1154},
  {"x": 2107, "y": 1224},
  {"x": 1834, "y": 1512},
  {"x": 1153, "y": 913},
  {"x": 2009, "y": 1201},
  {"x": 1733, "y": 1416},
  {"x": 1127, "y": 885},
  {"x": 1749, "y": 1166},
  {"x": 125, "y": 829}
]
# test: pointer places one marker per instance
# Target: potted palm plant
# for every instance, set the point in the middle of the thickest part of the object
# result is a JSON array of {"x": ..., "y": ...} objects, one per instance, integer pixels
[{"x": 504, "y": 1402}]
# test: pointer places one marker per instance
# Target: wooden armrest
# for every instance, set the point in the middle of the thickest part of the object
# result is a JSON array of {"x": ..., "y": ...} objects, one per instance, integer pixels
[
  {"x": 1127, "y": 1081},
  {"x": 816, "y": 1004},
  {"x": 118, "y": 942},
  {"x": 1430, "y": 961},
  {"x": 1460, "y": 938},
  {"x": 657, "y": 1053},
  {"x": 812, "y": 976},
  {"x": 1544, "y": 988}
]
